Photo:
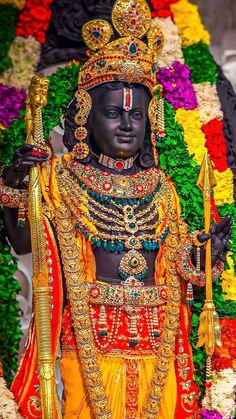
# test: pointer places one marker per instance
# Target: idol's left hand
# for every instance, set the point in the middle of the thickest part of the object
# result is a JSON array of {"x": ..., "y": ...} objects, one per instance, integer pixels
[{"x": 220, "y": 234}]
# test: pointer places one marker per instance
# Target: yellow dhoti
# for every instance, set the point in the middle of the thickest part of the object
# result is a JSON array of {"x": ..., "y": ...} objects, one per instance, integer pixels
[{"x": 76, "y": 404}]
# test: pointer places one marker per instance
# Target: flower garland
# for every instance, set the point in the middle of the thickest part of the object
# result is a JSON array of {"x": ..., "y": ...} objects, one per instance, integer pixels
[
  {"x": 208, "y": 109},
  {"x": 172, "y": 50},
  {"x": 162, "y": 8},
  {"x": 224, "y": 357},
  {"x": 34, "y": 20},
  {"x": 215, "y": 143},
  {"x": 187, "y": 19},
  {"x": 223, "y": 393},
  {"x": 177, "y": 87},
  {"x": 194, "y": 57},
  {"x": 193, "y": 135}
]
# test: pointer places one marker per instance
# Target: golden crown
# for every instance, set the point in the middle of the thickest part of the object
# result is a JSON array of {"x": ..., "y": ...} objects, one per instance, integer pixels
[{"x": 128, "y": 58}]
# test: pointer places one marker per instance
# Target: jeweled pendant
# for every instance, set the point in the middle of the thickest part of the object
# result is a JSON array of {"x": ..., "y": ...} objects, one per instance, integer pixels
[
  {"x": 133, "y": 264},
  {"x": 81, "y": 151}
]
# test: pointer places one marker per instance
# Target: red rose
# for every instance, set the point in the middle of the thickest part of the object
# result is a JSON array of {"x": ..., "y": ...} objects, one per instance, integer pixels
[
  {"x": 216, "y": 144},
  {"x": 164, "y": 13},
  {"x": 34, "y": 20}
]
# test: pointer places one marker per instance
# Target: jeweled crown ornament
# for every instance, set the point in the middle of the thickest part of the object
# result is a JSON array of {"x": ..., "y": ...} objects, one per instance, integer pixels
[{"x": 127, "y": 58}]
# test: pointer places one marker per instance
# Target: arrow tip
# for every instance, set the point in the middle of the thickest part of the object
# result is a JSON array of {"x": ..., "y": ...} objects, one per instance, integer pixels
[{"x": 206, "y": 176}]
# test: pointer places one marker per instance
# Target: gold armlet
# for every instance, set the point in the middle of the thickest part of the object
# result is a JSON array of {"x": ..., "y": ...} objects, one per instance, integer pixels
[{"x": 190, "y": 272}]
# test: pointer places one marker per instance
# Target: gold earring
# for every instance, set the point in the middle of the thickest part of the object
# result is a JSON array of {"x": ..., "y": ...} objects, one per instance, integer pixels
[
  {"x": 83, "y": 106},
  {"x": 157, "y": 120}
]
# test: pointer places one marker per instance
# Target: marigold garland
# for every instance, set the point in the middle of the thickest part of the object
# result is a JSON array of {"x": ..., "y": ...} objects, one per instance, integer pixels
[
  {"x": 228, "y": 278},
  {"x": 187, "y": 18},
  {"x": 201, "y": 63},
  {"x": 223, "y": 192},
  {"x": 193, "y": 135},
  {"x": 180, "y": 166}
]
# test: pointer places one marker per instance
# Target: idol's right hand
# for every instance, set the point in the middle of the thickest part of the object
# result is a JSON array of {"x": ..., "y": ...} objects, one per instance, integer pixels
[{"x": 24, "y": 158}]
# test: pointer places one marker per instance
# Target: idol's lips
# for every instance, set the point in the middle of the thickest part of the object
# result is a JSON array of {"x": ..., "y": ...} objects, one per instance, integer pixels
[{"x": 125, "y": 138}]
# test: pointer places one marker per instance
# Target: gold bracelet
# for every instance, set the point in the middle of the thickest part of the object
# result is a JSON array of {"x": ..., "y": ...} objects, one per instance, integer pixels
[{"x": 194, "y": 236}]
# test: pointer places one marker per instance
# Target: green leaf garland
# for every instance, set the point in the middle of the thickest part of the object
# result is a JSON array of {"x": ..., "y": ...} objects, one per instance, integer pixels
[
  {"x": 201, "y": 63},
  {"x": 8, "y": 19}
]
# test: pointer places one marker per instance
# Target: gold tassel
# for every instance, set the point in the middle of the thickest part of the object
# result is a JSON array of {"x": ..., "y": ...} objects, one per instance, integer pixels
[{"x": 209, "y": 328}]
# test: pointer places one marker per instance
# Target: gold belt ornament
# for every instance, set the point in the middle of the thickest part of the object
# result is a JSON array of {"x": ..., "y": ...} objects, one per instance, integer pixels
[{"x": 131, "y": 293}]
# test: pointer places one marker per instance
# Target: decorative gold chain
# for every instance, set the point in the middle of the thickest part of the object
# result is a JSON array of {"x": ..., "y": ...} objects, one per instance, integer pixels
[
  {"x": 170, "y": 325},
  {"x": 78, "y": 297}
]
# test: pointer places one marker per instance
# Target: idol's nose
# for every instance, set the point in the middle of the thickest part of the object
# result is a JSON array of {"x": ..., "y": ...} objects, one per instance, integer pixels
[{"x": 126, "y": 124}]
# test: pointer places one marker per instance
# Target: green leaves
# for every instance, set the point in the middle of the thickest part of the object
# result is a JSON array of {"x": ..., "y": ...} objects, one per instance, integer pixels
[{"x": 10, "y": 331}]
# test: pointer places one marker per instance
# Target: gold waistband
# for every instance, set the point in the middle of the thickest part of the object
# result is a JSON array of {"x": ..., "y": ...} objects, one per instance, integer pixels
[{"x": 123, "y": 295}]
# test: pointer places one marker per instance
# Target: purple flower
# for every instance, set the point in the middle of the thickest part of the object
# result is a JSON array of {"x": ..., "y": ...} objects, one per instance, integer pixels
[
  {"x": 177, "y": 87},
  {"x": 12, "y": 100},
  {"x": 210, "y": 414}
]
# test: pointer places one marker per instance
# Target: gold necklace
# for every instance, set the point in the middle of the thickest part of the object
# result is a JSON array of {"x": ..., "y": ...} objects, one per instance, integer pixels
[
  {"x": 126, "y": 222},
  {"x": 133, "y": 186}
]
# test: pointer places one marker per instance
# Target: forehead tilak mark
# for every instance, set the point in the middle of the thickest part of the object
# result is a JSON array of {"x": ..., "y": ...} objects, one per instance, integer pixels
[{"x": 127, "y": 98}]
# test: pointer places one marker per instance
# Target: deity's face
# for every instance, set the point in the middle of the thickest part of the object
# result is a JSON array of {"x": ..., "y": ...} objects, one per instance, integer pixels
[{"x": 118, "y": 132}]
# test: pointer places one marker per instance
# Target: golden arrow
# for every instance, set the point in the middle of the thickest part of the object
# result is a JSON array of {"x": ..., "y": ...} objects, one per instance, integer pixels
[{"x": 209, "y": 329}]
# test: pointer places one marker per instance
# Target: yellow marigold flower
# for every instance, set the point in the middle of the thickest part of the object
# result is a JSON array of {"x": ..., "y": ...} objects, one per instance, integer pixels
[
  {"x": 193, "y": 135},
  {"x": 229, "y": 283},
  {"x": 223, "y": 192},
  {"x": 190, "y": 26}
]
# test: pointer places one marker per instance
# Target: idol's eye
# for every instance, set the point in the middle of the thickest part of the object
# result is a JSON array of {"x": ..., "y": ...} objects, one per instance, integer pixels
[
  {"x": 137, "y": 115},
  {"x": 111, "y": 114}
]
